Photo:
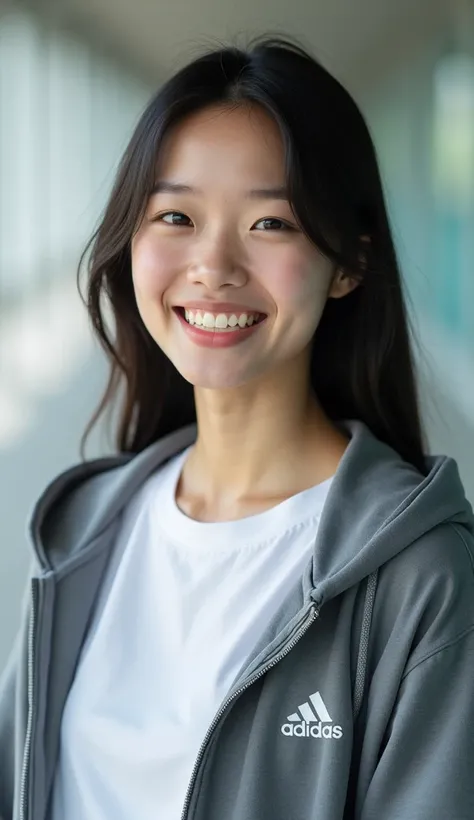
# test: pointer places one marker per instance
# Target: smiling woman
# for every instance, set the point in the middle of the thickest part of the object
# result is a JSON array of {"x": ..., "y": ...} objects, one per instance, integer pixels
[
  {"x": 238, "y": 616},
  {"x": 235, "y": 137},
  {"x": 228, "y": 231}
]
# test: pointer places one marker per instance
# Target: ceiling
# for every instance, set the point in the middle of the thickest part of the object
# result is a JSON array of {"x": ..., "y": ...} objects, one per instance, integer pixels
[{"x": 353, "y": 38}]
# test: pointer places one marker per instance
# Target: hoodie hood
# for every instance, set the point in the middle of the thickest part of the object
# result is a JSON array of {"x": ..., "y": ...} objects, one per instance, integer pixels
[{"x": 377, "y": 505}]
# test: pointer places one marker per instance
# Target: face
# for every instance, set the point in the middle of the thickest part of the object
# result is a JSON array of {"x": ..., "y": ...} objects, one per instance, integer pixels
[{"x": 226, "y": 283}]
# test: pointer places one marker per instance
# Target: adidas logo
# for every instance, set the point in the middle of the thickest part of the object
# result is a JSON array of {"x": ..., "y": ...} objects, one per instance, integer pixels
[{"x": 313, "y": 720}]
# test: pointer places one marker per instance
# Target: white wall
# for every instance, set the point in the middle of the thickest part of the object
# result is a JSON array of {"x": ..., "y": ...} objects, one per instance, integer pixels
[
  {"x": 66, "y": 112},
  {"x": 422, "y": 117}
]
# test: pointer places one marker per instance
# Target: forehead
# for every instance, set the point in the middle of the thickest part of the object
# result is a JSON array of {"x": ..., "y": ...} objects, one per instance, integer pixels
[{"x": 223, "y": 140}]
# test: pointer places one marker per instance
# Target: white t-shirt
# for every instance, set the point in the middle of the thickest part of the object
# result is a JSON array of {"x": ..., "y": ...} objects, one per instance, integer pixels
[{"x": 183, "y": 605}]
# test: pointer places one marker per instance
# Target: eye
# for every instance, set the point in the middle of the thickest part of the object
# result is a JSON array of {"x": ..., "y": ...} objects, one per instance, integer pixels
[
  {"x": 271, "y": 223},
  {"x": 174, "y": 218}
]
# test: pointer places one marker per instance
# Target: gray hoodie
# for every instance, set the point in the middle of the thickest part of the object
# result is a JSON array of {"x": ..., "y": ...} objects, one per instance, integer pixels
[{"x": 378, "y": 636}]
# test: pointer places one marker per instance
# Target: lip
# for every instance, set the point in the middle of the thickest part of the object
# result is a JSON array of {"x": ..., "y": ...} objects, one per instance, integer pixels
[
  {"x": 215, "y": 339},
  {"x": 219, "y": 307}
]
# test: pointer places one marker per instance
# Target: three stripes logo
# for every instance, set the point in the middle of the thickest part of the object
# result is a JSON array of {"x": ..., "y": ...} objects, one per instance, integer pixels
[{"x": 312, "y": 720}]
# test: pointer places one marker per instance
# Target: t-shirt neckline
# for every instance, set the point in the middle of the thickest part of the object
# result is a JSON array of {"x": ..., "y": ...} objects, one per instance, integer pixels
[{"x": 298, "y": 511}]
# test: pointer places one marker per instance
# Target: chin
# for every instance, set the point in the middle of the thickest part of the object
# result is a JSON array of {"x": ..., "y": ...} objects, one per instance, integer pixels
[
  {"x": 223, "y": 380},
  {"x": 225, "y": 383}
]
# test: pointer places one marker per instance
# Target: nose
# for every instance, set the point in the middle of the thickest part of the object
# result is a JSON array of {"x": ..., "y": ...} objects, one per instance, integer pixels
[{"x": 217, "y": 264}]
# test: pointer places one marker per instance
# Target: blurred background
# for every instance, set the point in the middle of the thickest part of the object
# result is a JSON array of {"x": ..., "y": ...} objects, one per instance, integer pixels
[{"x": 74, "y": 76}]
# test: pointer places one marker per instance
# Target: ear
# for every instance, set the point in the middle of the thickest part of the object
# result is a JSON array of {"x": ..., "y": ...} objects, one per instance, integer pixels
[{"x": 343, "y": 282}]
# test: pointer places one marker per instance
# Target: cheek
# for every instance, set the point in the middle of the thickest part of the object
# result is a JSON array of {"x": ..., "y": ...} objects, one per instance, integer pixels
[
  {"x": 299, "y": 282},
  {"x": 152, "y": 265}
]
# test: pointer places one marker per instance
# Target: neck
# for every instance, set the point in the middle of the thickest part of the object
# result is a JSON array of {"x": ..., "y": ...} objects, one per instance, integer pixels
[{"x": 257, "y": 445}]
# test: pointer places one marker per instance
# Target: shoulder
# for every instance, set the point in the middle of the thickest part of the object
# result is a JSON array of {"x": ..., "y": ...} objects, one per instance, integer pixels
[
  {"x": 425, "y": 594},
  {"x": 445, "y": 553}
]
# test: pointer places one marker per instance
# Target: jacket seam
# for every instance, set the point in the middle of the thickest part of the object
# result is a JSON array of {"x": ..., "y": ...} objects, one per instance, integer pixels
[
  {"x": 461, "y": 536},
  {"x": 457, "y": 639},
  {"x": 364, "y": 639}
]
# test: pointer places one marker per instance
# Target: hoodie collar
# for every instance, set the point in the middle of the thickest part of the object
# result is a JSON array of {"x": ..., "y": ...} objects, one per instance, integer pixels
[{"x": 376, "y": 506}]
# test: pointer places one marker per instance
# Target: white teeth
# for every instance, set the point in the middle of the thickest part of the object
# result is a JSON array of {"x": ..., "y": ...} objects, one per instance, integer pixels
[
  {"x": 208, "y": 320},
  {"x": 220, "y": 321}
]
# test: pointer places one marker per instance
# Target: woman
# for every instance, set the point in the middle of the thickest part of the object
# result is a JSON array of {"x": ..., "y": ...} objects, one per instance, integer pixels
[{"x": 262, "y": 606}]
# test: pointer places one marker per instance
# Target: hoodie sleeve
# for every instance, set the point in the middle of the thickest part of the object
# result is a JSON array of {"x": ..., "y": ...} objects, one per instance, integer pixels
[
  {"x": 13, "y": 713},
  {"x": 426, "y": 766},
  {"x": 7, "y": 733}
]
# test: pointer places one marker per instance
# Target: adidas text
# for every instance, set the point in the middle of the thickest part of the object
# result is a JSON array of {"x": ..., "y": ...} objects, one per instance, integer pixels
[
  {"x": 315, "y": 730},
  {"x": 312, "y": 719}
]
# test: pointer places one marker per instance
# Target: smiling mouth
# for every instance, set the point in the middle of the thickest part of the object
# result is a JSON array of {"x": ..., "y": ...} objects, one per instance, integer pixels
[{"x": 220, "y": 322}]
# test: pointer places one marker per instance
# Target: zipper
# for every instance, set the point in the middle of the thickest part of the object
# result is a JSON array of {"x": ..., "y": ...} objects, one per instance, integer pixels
[
  {"x": 31, "y": 704},
  {"x": 300, "y": 630}
]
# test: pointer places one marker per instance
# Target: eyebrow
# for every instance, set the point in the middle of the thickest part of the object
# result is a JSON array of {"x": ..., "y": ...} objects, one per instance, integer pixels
[{"x": 163, "y": 186}]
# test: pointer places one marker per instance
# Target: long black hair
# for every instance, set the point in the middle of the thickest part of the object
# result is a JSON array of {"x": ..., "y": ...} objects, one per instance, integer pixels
[{"x": 362, "y": 362}]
